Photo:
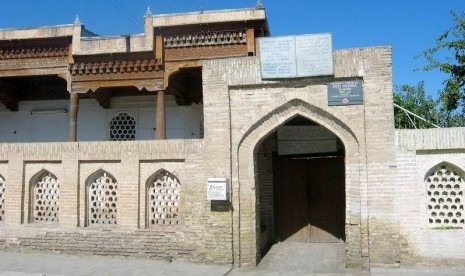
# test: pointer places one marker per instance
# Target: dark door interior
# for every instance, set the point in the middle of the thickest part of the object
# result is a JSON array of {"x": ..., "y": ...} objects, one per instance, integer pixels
[{"x": 309, "y": 199}]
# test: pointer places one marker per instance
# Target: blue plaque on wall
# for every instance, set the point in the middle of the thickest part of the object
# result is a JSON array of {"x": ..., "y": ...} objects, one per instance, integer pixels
[{"x": 345, "y": 93}]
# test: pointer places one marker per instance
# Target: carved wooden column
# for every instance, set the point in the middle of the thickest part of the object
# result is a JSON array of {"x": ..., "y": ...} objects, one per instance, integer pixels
[
  {"x": 160, "y": 132},
  {"x": 73, "y": 113}
]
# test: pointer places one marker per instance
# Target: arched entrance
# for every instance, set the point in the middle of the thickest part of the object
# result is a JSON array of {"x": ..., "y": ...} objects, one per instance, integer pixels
[
  {"x": 304, "y": 194},
  {"x": 259, "y": 224},
  {"x": 300, "y": 172}
]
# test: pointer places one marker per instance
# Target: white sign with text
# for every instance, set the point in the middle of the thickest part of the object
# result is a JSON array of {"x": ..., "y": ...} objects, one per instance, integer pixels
[{"x": 296, "y": 56}]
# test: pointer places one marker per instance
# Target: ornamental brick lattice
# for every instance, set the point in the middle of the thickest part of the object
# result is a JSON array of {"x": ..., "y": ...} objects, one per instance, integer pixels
[
  {"x": 123, "y": 128},
  {"x": 445, "y": 197},
  {"x": 163, "y": 199},
  {"x": 45, "y": 195},
  {"x": 102, "y": 198},
  {"x": 2, "y": 198}
]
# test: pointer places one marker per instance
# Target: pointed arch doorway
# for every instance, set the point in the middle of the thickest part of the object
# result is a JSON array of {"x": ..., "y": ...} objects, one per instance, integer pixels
[
  {"x": 301, "y": 185},
  {"x": 254, "y": 197}
]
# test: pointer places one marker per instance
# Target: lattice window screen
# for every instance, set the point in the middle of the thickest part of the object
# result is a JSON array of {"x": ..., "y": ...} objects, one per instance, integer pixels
[
  {"x": 445, "y": 198},
  {"x": 45, "y": 195},
  {"x": 203, "y": 39},
  {"x": 102, "y": 199},
  {"x": 163, "y": 199},
  {"x": 123, "y": 128},
  {"x": 2, "y": 198}
]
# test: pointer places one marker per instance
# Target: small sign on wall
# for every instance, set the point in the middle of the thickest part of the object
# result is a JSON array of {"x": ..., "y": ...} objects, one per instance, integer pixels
[
  {"x": 217, "y": 189},
  {"x": 345, "y": 93}
]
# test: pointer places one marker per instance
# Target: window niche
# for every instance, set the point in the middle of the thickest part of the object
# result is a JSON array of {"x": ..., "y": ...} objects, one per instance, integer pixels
[
  {"x": 44, "y": 198},
  {"x": 163, "y": 198},
  {"x": 102, "y": 199},
  {"x": 444, "y": 188},
  {"x": 123, "y": 127}
]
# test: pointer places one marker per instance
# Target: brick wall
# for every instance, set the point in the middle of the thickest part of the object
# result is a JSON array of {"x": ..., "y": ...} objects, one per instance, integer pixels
[
  {"x": 258, "y": 107},
  {"x": 240, "y": 111},
  {"x": 418, "y": 152},
  {"x": 131, "y": 164}
]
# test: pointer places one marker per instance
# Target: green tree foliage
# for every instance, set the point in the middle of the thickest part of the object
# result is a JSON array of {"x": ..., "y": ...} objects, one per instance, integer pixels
[
  {"x": 433, "y": 111},
  {"x": 414, "y": 99},
  {"x": 452, "y": 96}
]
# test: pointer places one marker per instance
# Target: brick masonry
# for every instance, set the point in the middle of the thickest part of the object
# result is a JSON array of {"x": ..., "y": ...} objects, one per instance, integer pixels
[
  {"x": 385, "y": 223},
  {"x": 418, "y": 152},
  {"x": 259, "y": 107}
]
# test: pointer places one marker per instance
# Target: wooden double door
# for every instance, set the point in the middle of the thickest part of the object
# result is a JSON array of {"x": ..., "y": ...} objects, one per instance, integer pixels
[{"x": 309, "y": 196}]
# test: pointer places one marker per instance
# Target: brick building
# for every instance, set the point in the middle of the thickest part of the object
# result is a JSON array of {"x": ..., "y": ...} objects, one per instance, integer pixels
[{"x": 107, "y": 145}]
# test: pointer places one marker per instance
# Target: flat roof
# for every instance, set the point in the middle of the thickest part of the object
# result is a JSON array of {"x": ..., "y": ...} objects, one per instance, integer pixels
[
  {"x": 203, "y": 17},
  {"x": 37, "y": 32}
]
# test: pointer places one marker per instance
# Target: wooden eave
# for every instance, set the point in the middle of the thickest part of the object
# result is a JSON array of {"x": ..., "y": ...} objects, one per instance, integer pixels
[{"x": 141, "y": 70}]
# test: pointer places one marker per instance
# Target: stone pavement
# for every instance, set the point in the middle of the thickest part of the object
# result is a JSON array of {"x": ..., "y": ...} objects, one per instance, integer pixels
[
  {"x": 35, "y": 264},
  {"x": 288, "y": 258},
  {"x": 281, "y": 260}
]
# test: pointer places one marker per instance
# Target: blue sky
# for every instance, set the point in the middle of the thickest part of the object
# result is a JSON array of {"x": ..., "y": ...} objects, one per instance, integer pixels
[{"x": 409, "y": 26}]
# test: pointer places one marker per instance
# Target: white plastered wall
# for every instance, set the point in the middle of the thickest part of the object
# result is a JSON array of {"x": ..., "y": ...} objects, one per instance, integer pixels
[{"x": 47, "y": 121}]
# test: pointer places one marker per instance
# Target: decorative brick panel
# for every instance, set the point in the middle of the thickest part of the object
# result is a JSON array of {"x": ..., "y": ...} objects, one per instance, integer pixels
[
  {"x": 45, "y": 196},
  {"x": 102, "y": 200},
  {"x": 445, "y": 197},
  {"x": 164, "y": 197}
]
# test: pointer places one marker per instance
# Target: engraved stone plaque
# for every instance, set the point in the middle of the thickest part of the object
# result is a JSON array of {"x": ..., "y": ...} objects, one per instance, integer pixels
[
  {"x": 314, "y": 55},
  {"x": 296, "y": 56},
  {"x": 277, "y": 57}
]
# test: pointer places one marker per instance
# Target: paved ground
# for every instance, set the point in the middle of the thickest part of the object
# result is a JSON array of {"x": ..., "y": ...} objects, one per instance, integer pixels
[
  {"x": 282, "y": 259},
  {"x": 26, "y": 264},
  {"x": 289, "y": 258}
]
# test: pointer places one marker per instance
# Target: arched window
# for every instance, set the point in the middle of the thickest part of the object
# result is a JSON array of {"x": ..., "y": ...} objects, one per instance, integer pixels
[
  {"x": 101, "y": 199},
  {"x": 2, "y": 198},
  {"x": 123, "y": 127},
  {"x": 44, "y": 197},
  {"x": 163, "y": 191},
  {"x": 445, "y": 197}
]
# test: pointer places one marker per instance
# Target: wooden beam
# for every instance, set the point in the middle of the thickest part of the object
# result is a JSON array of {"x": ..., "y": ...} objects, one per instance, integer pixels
[
  {"x": 159, "y": 48},
  {"x": 250, "y": 42},
  {"x": 153, "y": 84}
]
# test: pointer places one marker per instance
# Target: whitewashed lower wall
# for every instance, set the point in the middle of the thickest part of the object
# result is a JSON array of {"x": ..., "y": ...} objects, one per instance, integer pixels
[
  {"x": 418, "y": 151},
  {"x": 31, "y": 124}
]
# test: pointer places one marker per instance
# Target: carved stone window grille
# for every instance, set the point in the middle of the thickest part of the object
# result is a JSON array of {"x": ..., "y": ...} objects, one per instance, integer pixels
[
  {"x": 445, "y": 198},
  {"x": 102, "y": 200},
  {"x": 45, "y": 195},
  {"x": 163, "y": 199},
  {"x": 2, "y": 198},
  {"x": 123, "y": 128},
  {"x": 204, "y": 39}
]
